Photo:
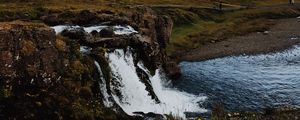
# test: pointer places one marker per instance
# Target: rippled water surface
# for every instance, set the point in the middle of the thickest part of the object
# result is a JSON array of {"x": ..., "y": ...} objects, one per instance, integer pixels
[{"x": 246, "y": 82}]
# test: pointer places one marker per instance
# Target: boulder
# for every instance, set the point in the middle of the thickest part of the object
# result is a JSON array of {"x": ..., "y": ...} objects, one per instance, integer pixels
[
  {"x": 107, "y": 32},
  {"x": 150, "y": 116},
  {"x": 74, "y": 33}
]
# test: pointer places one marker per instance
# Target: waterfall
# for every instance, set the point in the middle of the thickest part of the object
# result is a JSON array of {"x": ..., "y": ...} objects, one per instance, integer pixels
[
  {"x": 135, "y": 98},
  {"x": 129, "y": 91},
  {"x": 102, "y": 85}
]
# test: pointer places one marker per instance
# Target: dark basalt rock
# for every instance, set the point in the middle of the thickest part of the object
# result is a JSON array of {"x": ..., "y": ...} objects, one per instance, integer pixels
[
  {"x": 95, "y": 33},
  {"x": 172, "y": 70},
  {"x": 107, "y": 32},
  {"x": 74, "y": 33},
  {"x": 150, "y": 116},
  {"x": 146, "y": 80}
]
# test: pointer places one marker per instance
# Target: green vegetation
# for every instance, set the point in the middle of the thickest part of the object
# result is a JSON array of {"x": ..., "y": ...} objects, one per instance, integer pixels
[
  {"x": 30, "y": 6},
  {"x": 196, "y": 21},
  {"x": 200, "y": 28}
]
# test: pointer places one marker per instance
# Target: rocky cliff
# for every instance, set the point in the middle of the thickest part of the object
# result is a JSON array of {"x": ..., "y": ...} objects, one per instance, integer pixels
[{"x": 44, "y": 74}]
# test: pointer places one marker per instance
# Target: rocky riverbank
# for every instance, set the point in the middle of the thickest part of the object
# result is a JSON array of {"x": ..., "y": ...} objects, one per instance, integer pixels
[{"x": 284, "y": 34}]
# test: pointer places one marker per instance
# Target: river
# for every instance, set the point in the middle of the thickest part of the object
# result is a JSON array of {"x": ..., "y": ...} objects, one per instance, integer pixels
[{"x": 245, "y": 83}]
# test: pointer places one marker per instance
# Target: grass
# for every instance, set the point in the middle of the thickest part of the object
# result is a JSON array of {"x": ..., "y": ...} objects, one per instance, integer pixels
[
  {"x": 21, "y": 25},
  {"x": 219, "y": 26},
  {"x": 27, "y": 5}
]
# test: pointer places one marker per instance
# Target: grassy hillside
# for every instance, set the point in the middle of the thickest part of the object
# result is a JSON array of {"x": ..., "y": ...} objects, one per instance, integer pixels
[
  {"x": 194, "y": 25},
  {"x": 98, "y": 4},
  {"x": 195, "y": 28}
]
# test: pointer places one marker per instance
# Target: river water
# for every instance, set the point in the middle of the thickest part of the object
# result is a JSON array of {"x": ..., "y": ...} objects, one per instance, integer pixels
[{"x": 241, "y": 83}]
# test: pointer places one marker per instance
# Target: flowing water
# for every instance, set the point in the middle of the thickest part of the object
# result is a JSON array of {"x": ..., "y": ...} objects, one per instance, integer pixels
[
  {"x": 246, "y": 82},
  {"x": 118, "y": 29},
  {"x": 128, "y": 90},
  {"x": 135, "y": 97}
]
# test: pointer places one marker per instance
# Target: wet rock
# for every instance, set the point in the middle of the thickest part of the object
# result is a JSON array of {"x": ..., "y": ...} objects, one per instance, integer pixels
[
  {"x": 95, "y": 33},
  {"x": 107, "y": 32},
  {"x": 172, "y": 70},
  {"x": 150, "y": 116},
  {"x": 74, "y": 33},
  {"x": 146, "y": 80}
]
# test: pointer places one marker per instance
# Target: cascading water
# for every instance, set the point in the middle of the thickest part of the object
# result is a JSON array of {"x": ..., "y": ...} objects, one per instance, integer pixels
[
  {"x": 134, "y": 96},
  {"x": 129, "y": 91},
  {"x": 102, "y": 84},
  {"x": 118, "y": 29}
]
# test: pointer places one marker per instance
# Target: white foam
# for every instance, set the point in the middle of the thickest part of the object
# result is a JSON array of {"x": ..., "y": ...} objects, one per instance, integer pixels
[
  {"x": 135, "y": 96},
  {"x": 85, "y": 49},
  {"x": 118, "y": 29},
  {"x": 103, "y": 89},
  {"x": 60, "y": 28},
  {"x": 124, "y": 30},
  {"x": 92, "y": 28}
]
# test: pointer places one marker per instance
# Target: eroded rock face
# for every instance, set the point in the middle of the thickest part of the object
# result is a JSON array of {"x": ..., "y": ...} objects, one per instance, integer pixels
[
  {"x": 155, "y": 29},
  {"x": 44, "y": 75},
  {"x": 28, "y": 53},
  {"x": 41, "y": 71}
]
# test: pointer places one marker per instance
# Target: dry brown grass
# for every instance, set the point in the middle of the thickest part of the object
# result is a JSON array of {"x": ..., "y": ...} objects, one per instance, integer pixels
[
  {"x": 116, "y": 4},
  {"x": 20, "y": 24}
]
